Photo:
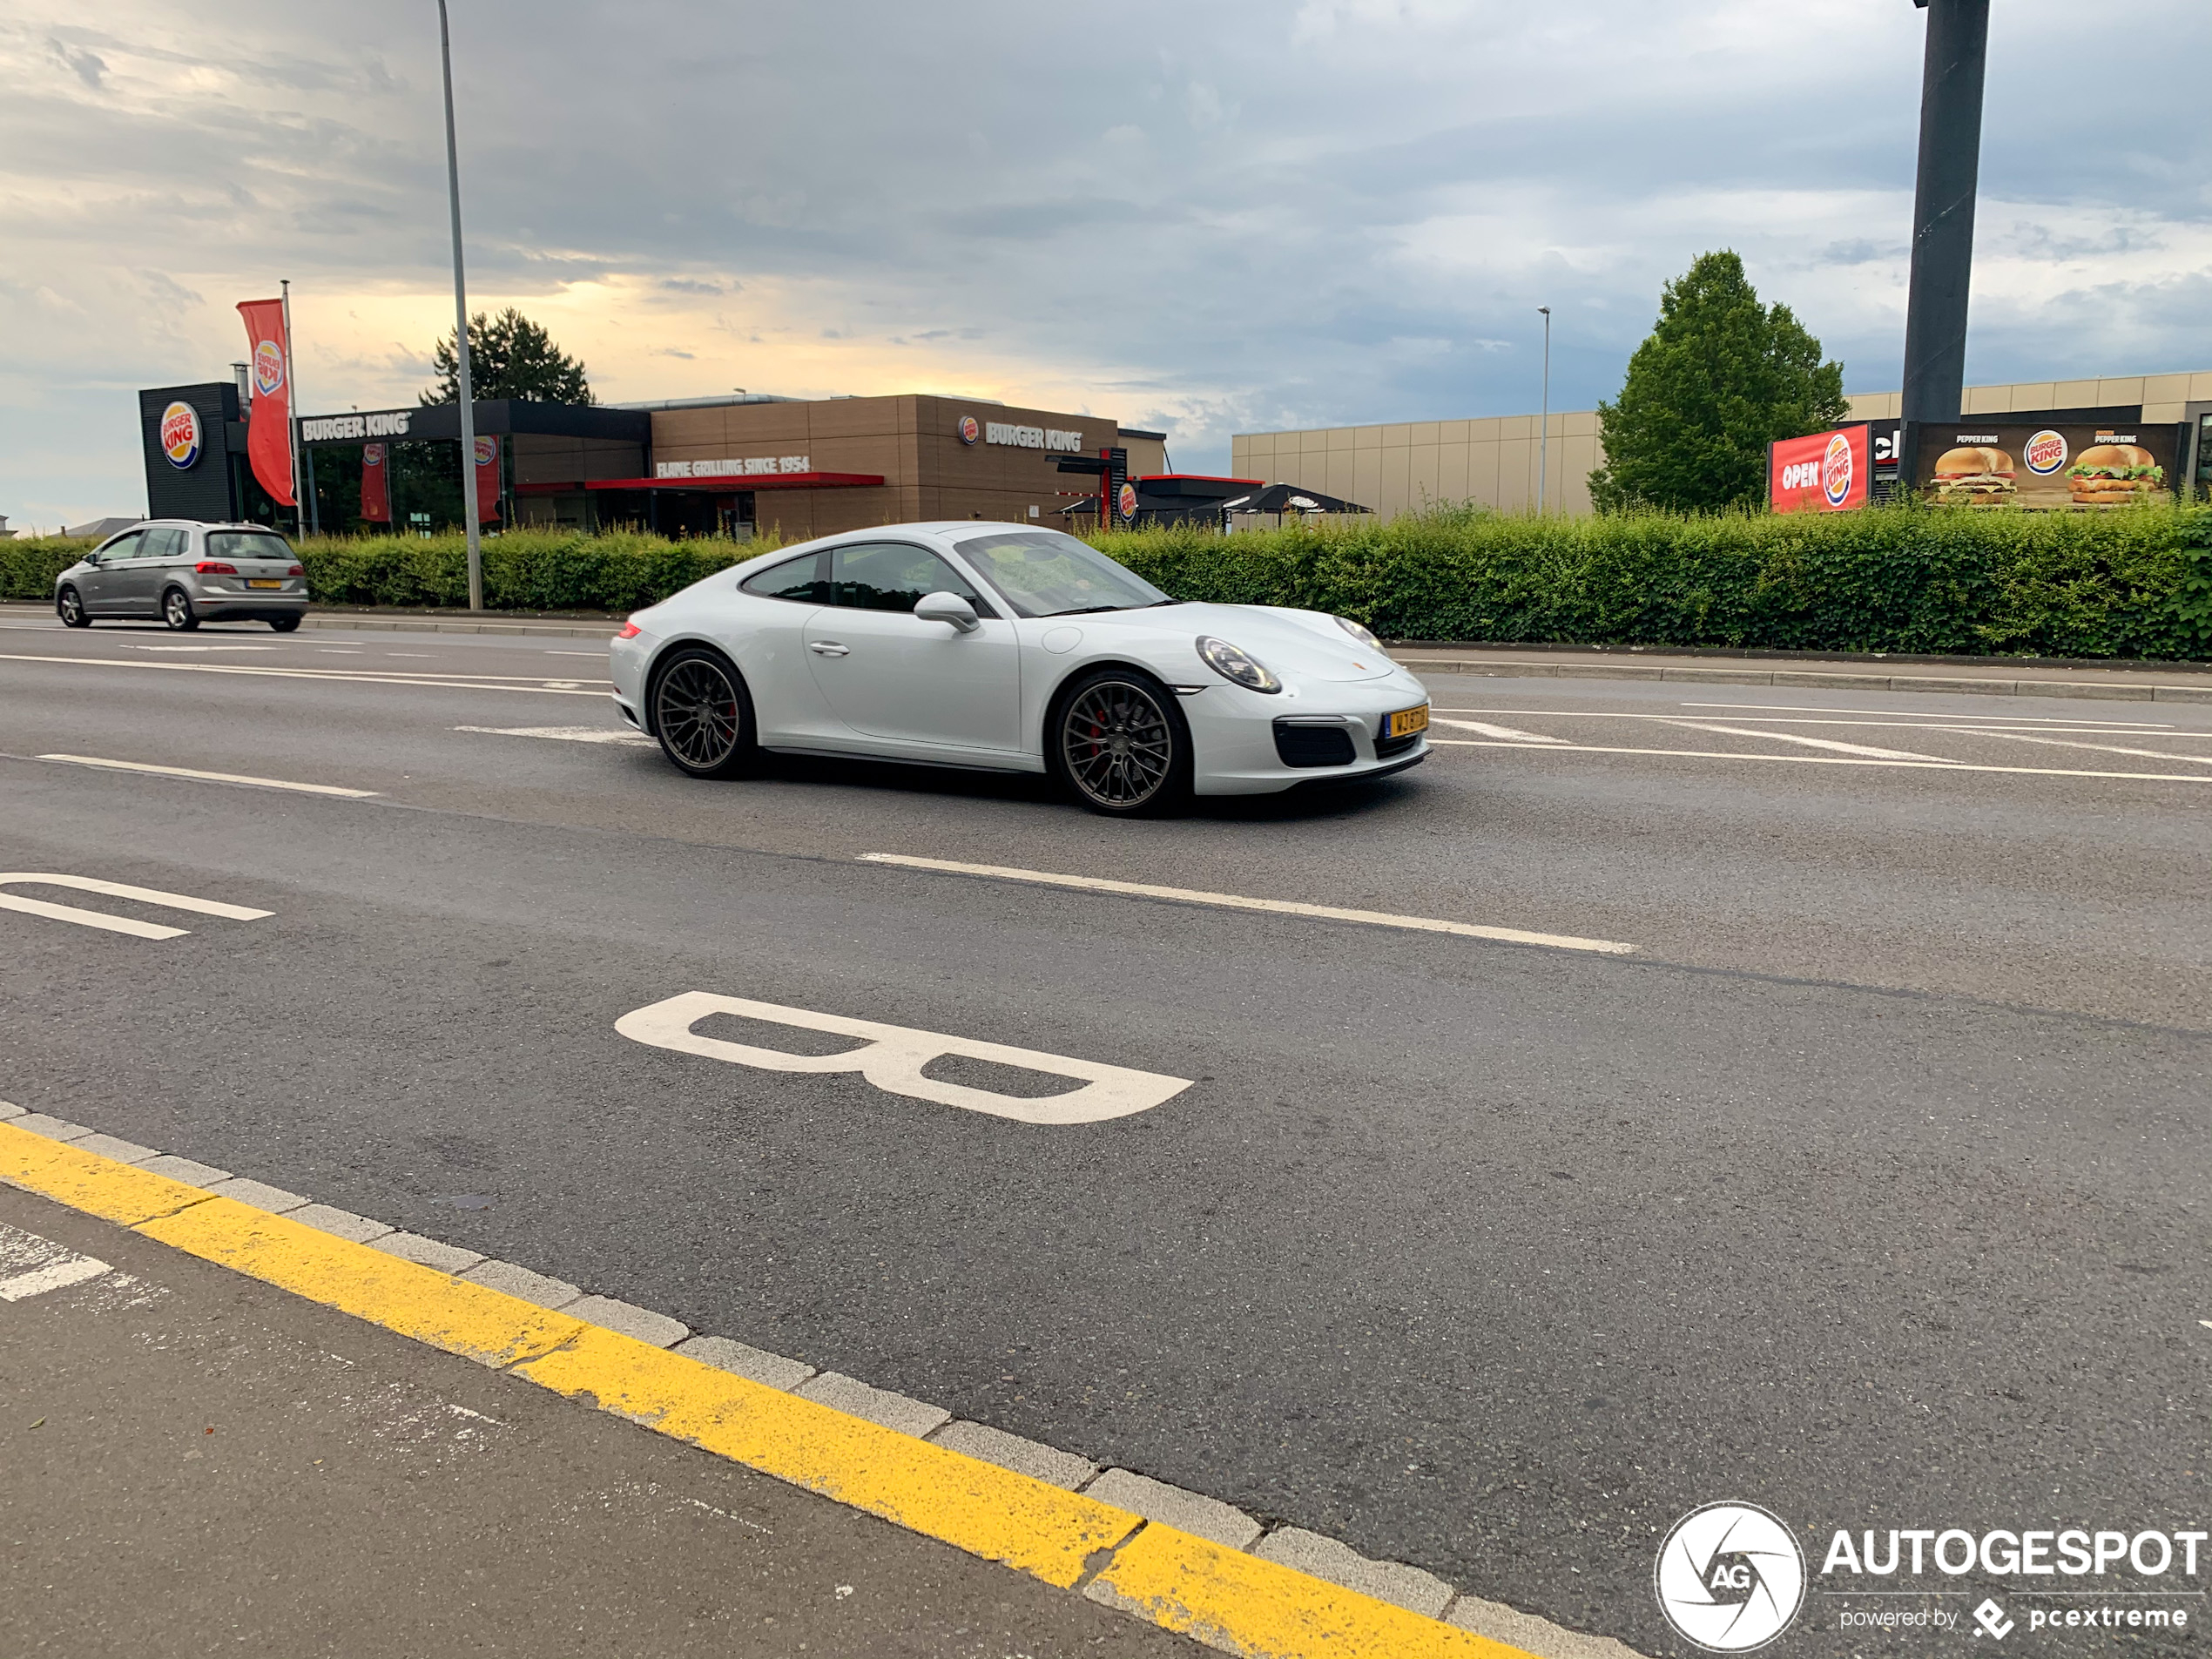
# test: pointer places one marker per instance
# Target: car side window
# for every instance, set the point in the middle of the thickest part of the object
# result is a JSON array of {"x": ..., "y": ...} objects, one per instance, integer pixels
[
  {"x": 799, "y": 580},
  {"x": 162, "y": 545},
  {"x": 894, "y": 575},
  {"x": 123, "y": 547}
]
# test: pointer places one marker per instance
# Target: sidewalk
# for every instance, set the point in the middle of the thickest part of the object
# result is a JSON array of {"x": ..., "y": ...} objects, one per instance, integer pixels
[{"x": 197, "y": 1461}]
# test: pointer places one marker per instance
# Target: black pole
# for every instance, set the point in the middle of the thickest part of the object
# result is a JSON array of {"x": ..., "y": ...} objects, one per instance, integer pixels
[{"x": 1943, "y": 214}]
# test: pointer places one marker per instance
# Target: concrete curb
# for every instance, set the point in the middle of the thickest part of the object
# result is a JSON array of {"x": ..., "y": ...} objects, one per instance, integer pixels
[{"x": 1179, "y": 1560}]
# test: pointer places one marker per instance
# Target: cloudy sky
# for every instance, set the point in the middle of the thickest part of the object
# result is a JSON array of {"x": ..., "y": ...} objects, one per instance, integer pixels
[{"x": 1213, "y": 217}]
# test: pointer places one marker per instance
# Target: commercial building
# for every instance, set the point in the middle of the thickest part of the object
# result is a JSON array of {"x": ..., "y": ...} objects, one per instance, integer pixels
[
  {"x": 1493, "y": 461},
  {"x": 691, "y": 466}
]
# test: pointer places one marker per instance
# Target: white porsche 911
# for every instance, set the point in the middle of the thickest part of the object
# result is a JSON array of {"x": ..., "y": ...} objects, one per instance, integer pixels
[{"x": 1011, "y": 648}]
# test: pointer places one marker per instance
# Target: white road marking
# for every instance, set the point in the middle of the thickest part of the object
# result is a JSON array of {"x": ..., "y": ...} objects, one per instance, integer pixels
[
  {"x": 2106, "y": 748},
  {"x": 211, "y": 777},
  {"x": 1828, "y": 744},
  {"x": 100, "y": 919},
  {"x": 1511, "y": 734},
  {"x": 601, "y": 655},
  {"x": 1889, "y": 722},
  {"x": 1239, "y": 902},
  {"x": 566, "y": 734},
  {"x": 895, "y": 1056},
  {"x": 2014, "y": 719},
  {"x": 199, "y": 648},
  {"x": 423, "y": 677},
  {"x": 340, "y": 650},
  {"x": 1820, "y": 760},
  {"x": 55, "y": 1276},
  {"x": 418, "y": 656}
]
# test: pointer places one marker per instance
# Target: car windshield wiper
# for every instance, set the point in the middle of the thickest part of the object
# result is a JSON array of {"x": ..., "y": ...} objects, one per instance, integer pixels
[
  {"x": 1157, "y": 604},
  {"x": 1088, "y": 610}
]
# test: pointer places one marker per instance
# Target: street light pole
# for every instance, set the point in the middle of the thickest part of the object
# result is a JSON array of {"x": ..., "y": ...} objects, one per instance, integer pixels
[
  {"x": 1943, "y": 214},
  {"x": 460, "y": 336},
  {"x": 1544, "y": 420}
]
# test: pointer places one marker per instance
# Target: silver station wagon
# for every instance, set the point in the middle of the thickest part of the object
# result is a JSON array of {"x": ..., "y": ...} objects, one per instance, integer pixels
[{"x": 185, "y": 573}]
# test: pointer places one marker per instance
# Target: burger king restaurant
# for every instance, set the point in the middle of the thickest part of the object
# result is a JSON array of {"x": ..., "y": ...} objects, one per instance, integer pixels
[{"x": 709, "y": 466}]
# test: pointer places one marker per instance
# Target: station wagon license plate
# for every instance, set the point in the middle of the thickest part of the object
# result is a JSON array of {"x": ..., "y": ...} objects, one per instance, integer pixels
[
  {"x": 264, "y": 581},
  {"x": 1406, "y": 722}
]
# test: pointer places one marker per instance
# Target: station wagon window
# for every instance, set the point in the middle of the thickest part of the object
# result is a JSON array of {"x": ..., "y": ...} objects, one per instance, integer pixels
[
  {"x": 125, "y": 546},
  {"x": 799, "y": 580},
  {"x": 161, "y": 544},
  {"x": 247, "y": 544},
  {"x": 894, "y": 575}
]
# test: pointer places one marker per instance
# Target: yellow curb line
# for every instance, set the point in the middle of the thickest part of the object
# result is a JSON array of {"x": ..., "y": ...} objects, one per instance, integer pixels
[{"x": 1228, "y": 1600}]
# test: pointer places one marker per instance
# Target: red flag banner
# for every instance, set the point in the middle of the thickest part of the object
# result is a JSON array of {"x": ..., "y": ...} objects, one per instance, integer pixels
[
  {"x": 376, "y": 490},
  {"x": 1829, "y": 472},
  {"x": 268, "y": 434},
  {"x": 487, "y": 478}
]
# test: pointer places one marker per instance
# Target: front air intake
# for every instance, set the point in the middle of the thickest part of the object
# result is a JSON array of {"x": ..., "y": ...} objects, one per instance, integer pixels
[{"x": 1313, "y": 745}]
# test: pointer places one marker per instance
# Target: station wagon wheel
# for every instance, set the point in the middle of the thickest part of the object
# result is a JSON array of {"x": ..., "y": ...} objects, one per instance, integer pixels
[
  {"x": 72, "y": 607},
  {"x": 703, "y": 714},
  {"x": 177, "y": 611},
  {"x": 1121, "y": 745}
]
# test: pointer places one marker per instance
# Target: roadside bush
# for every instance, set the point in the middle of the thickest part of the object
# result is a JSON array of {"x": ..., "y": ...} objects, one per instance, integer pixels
[
  {"x": 2132, "y": 584},
  {"x": 523, "y": 569},
  {"x": 30, "y": 563}
]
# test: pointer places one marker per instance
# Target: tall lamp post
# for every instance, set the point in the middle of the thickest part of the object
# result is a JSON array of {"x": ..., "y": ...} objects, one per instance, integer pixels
[
  {"x": 1544, "y": 420},
  {"x": 460, "y": 336},
  {"x": 1943, "y": 215}
]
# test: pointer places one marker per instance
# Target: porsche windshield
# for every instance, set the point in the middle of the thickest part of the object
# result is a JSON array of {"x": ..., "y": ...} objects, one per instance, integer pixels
[{"x": 1043, "y": 573}]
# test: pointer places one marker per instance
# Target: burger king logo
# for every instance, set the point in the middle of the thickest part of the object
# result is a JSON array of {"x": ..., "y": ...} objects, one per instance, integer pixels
[
  {"x": 971, "y": 429},
  {"x": 268, "y": 368},
  {"x": 372, "y": 454},
  {"x": 1835, "y": 471},
  {"x": 180, "y": 435},
  {"x": 2046, "y": 452},
  {"x": 486, "y": 450},
  {"x": 1128, "y": 500}
]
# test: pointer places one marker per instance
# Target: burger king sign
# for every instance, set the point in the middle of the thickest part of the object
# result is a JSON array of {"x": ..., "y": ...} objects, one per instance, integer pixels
[
  {"x": 179, "y": 435},
  {"x": 1827, "y": 472}
]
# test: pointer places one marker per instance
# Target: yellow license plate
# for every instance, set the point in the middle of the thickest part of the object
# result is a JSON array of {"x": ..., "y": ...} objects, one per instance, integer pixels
[
  {"x": 1406, "y": 722},
  {"x": 273, "y": 582}
]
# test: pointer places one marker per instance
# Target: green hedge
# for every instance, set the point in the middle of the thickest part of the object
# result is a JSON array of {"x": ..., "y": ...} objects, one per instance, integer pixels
[
  {"x": 523, "y": 569},
  {"x": 2132, "y": 584}
]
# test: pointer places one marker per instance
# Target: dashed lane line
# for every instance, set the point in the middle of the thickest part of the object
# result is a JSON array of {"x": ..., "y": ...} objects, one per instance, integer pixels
[
  {"x": 1830, "y": 744},
  {"x": 1818, "y": 760},
  {"x": 423, "y": 680},
  {"x": 1877, "y": 722},
  {"x": 1241, "y": 901},
  {"x": 1901, "y": 714},
  {"x": 211, "y": 777},
  {"x": 2102, "y": 748},
  {"x": 567, "y": 734},
  {"x": 1230, "y": 1599},
  {"x": 1511, "y": 734}
]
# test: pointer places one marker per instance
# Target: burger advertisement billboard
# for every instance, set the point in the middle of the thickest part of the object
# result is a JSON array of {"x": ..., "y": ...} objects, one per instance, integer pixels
[
  {"x": 1828, "y": 472},
  {"x": 2078, "y": 467}
]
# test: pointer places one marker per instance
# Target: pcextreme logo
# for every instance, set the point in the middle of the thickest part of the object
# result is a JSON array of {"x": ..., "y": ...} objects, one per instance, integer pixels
[{"x": 1730, "y": 1577}]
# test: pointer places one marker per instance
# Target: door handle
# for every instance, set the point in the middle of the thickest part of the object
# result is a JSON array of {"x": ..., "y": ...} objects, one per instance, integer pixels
[{"x": 828, "y": 648}]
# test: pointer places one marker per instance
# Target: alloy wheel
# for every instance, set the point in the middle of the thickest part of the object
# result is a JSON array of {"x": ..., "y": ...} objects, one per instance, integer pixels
[
  {"x": 696, "y": 714},
  {"x": 176, "y": 609},
  {"x": 72, "y": 609},
  {"x": 1117, "y": 745}
]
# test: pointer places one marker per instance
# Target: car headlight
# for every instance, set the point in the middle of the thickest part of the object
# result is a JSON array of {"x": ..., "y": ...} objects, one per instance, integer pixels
[
  {"x": 1234, "y": 666},
  {"x": 1359, "y": 633}
]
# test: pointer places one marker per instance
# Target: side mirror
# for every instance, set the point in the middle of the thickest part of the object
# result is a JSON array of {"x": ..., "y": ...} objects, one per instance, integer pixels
[
  {"x": 92, "y": 558},
  {"x": 948, "y": 607}
]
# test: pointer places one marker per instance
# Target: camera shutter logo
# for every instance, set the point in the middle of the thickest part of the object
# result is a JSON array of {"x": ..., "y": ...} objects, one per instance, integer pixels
[{"x": 1730, "y": 1577}]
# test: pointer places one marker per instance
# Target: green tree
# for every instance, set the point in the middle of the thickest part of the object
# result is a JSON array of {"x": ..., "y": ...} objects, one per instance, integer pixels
[
  {"x": 1721, "y": 377},
  {"x": 509, "y": 356}
]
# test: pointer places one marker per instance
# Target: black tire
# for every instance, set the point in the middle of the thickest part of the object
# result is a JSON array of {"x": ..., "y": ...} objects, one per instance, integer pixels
[
  {"x": 177, "y": 613},
  {"x": 703, "y": 714},
  {"x": 284, "y": 624},
  {"x": 69, "y": 605},
  {"x": 1118, "y": 743}
]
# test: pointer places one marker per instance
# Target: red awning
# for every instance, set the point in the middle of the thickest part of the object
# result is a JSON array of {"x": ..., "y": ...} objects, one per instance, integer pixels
[{"x": 728, "y": 483}]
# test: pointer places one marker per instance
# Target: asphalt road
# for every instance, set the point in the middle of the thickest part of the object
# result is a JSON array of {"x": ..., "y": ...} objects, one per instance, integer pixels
[{"x": 1868, "y": 1187}]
